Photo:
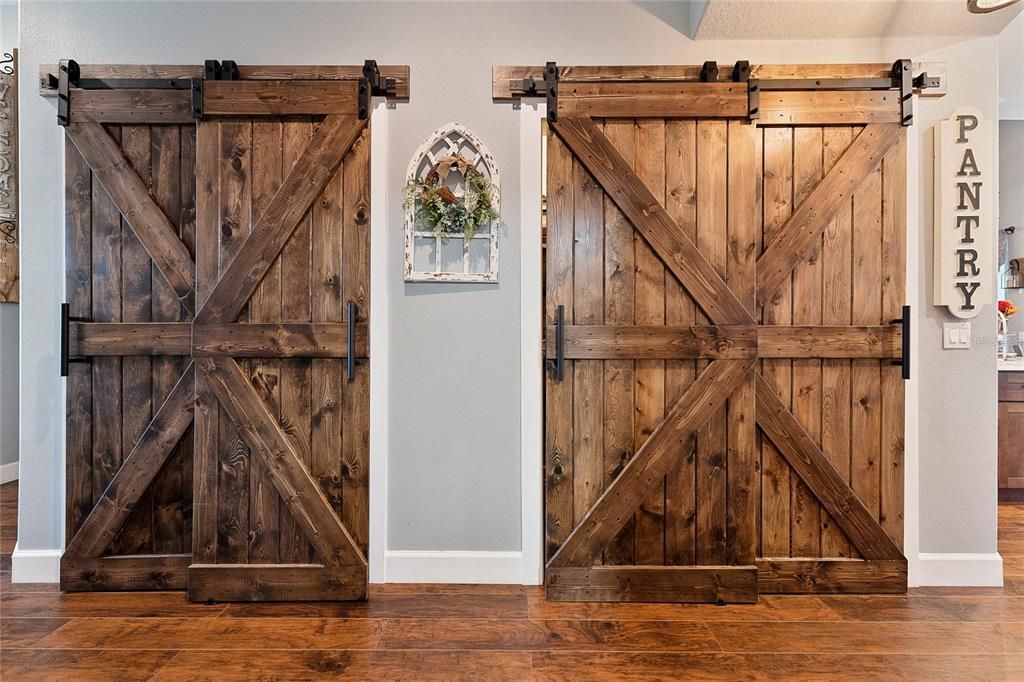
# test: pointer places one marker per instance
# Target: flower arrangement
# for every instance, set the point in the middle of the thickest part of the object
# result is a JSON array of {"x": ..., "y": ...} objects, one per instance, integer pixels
[
  {"x": 440, "y": 210},
  {"x": 1007, "y": 308}
]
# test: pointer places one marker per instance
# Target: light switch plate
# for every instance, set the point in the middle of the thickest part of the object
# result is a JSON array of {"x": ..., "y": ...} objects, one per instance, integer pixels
[{"x": 956, "y": 335}]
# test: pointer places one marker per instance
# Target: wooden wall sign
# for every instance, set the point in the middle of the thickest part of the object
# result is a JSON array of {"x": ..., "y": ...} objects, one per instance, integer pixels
[
  {"x": 964, "y": 216},
  {"x": 9, "y": 270}
]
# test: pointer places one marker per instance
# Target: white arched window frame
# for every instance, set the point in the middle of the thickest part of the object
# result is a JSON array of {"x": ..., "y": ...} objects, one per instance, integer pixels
[{"x": 429, "y": 258}]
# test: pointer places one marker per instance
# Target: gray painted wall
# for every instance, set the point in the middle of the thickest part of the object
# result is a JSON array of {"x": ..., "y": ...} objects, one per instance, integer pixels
[
  {"x": 454, "y": 419},
  {"x": 8, "y": 311}
]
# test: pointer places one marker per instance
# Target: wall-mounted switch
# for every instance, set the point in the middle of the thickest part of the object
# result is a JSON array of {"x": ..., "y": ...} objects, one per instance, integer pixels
[{"x": 956, "y": 335}]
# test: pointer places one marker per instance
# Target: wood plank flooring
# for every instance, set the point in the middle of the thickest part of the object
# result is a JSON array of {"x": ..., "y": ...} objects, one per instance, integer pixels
[{"x": 424, "y": 632}]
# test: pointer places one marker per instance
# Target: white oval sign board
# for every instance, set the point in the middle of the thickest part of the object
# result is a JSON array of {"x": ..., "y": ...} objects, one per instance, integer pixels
[{"x": 964, "y": 218}]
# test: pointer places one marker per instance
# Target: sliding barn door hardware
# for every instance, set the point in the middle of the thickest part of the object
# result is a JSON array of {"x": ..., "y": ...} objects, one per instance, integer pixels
[
  {"x": 226, "y": 70},
  {"x": 709, "y": 72},
  {"x": 741, "y": 74},
  {"x": 373, "y": 84},
  {"x": 350, "y": 339},
  {"x": 65, "y": 339},
  {"x": 68, "y": 74},
  {"x": 547, "y": 88},
  {"x": 557, "y": 364},
  {"x": 904, "y": 360}
]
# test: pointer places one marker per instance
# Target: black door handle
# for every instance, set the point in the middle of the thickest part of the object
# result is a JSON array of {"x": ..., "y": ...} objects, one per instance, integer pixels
[
  {"x": 558, "y": 364},
  {"x": 350, "y": 353}
]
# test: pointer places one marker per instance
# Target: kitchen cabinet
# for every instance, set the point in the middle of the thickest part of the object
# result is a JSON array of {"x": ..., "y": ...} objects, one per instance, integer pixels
[{"x": 1011, "y": 430}]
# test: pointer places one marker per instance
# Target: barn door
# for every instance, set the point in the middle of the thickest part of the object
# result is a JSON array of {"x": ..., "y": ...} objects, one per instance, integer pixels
[
  {"x": 723, "y": 417},
  {"x": 282, "y": 410},
  {"x": 216, "y": 335}
]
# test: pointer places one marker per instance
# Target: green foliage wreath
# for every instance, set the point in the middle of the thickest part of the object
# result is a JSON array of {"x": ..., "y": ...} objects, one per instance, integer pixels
[{"x": 439, "y": 210}]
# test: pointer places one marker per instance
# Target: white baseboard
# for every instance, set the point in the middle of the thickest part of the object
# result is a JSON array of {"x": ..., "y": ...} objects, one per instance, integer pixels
[
  {"x": 35, "y": 565},
  {"x": 959, "y": 570},
  {"x": 8, "y": 472},
  {"x": 502, "y": 568}
]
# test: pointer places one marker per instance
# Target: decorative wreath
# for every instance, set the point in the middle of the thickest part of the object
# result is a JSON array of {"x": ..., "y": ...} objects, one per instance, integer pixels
[{"x": 442, "y": 211}]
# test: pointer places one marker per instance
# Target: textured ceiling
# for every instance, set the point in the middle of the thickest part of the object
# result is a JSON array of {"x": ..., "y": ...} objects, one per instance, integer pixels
[{"x": 796, "y": 19}]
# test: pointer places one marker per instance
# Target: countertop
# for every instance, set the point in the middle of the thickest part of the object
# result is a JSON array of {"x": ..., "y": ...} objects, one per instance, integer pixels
[{"x": 1011, "y": 365}]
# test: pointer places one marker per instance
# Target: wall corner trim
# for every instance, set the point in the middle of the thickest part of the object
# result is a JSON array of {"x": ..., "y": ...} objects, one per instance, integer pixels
[
  {"x": 465, "y": 567},
  {"x": 35, "y": 565},
  {"x": 8, "y": 472},
  {"x": 960, "y": 570}
]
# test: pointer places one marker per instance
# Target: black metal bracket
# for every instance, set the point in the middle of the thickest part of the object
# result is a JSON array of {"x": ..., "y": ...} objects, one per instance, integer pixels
[
  {"x": 226, "y": 70},
  {"x": 65, "y": 339},
  {"x": 197, "y": 97},
  {"x": 903, "y": 79},
  {"x": 557, "y": 365},
  {"x": 753, "y": 99},
  {"x": 350, "y": 338},
  {"x": 923, "y": 81},
  {"x": 741, "y": 72},
  {"x": 547, "y": 88},
  {"x": 372, "y": 84},
  {"x": 68, "y": 74},
  {"x": 709, "y": 72},
  {"x": 904, "y": 360}
]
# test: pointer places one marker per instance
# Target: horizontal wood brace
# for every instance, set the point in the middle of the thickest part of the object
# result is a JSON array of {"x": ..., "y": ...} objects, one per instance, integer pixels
[
  {"x": 400, "y": 73},
  {"x": 130, "y": 338},
  {"x": 657, "y": 99},
  {"x": 822, "y": 107},
  {"x": 133, "y": 106},
  {"x": 668, "y": 342},
  {"x": 295, "y": 340},
  {"x": 124, "y": 572},
  {"x": 276, "y": 582},
  {"x": 831, "y": 576},
  {"x": 705, "y": 584},
  {"x": 279, "y": 98}
]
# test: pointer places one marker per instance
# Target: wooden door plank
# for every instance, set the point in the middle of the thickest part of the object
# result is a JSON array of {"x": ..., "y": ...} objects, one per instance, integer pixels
[
  {"x": 241, "y": 98},
  {"x": 619, "y": 306},
  {"x": 646, "y": 471},
  {"x": 143, "y": 572},
  {"x": 78, "y": 388},
  {"x": 275, "y": 582},
  {"x": 595, "y": 342},
  {"x": 131, "y": 107},
  {"x": 648, "y": 216},
  {"x": 271, "y": 445},
  {"x": 743, "y": 452},
  {"x": 829, "y": 107},
  {"x": 809, "y": 462},
  {"x": 558, "y": 439},
  {"x": 649, "y": 308},
  {"x": 809, "y": 220},
  {"x": 775, "y": 473},
  {"x": 588, "y": 309},
  {"x": 135, "y": 203},
  {"x": 332, "y": 140},
  {"x": 894, "y": 258},
  {"x": 837, "y": 262},
  {"x": 653, "y": 100},
  {"x": 690, "y": 584},
  {"x": 139, "y": 470},
  {"x": 805, "y": 519},
  {"x": 713, "y": 243},
  {"x": 281, "y": 340},
  {"x": 829, "y": 341},
  {"x": 836, "y": 576},
  {"x": 681, "y": 179}
]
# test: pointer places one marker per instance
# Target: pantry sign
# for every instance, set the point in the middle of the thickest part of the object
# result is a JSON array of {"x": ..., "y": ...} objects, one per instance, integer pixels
[{"x": 964, "y": 219}]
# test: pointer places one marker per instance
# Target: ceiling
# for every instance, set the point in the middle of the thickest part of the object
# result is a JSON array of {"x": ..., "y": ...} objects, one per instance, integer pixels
[{"x": 823, "y": 19}]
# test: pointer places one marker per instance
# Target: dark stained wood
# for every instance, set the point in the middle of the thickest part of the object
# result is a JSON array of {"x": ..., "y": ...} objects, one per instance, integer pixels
[
  {"x": 649, "y": 217},
  {"x": 595, "y": 342},
  {"x": 136, "y": 204},
  {"x": 279, "y": 98},
  {"x": 694, "y": 584},
  {"x": 838, "y": 576},
  {"x": 272, "y": 447},
  {"x": 139, "y": 469},
  {"x": 275, "y": 582},
  {"x": 653, "y": 100},
  {"x": 128, "y": 572},
  {"x": 280, "y": 340},
  {"x": 131, "y": 107},
  {"x": 646, "y": 469},
  {"x": 829, "y": 107},
  {"x": 811, "y": 217},
  {"x": 136, "y": 338},
  {"x": 821, "y": 341},
  {"x": 834, "y": 494},
  {"x": 331, "y": 142},
  {"x": 400, "y": 73}
]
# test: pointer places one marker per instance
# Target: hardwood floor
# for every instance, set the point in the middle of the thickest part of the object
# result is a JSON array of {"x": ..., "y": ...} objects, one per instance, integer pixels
[{"x": 422, "y": 632}]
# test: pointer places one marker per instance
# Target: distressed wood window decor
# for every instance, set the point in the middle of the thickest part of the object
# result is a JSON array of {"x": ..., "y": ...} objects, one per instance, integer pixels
[
  {"x": 9, "y": 271},
  {"x": 452, "y": 209}
]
